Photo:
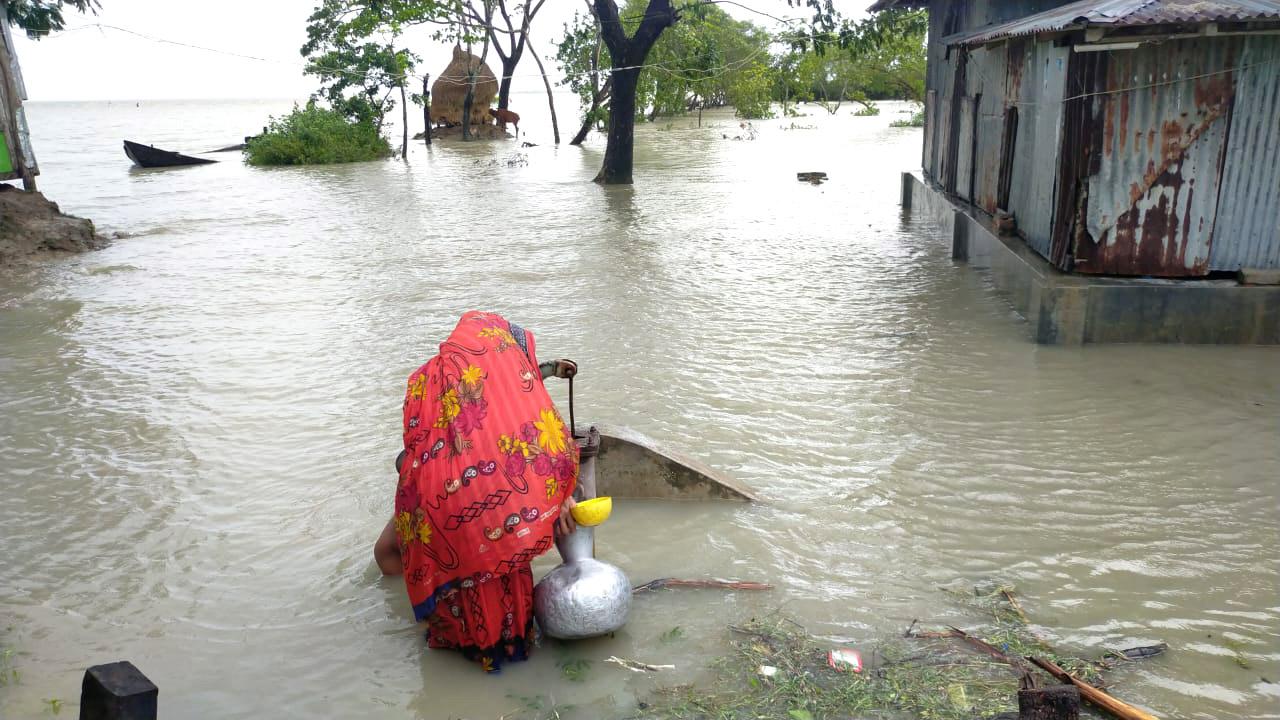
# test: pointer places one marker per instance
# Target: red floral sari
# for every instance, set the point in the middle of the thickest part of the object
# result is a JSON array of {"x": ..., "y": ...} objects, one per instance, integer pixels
[{"x": 488, "y": 463}]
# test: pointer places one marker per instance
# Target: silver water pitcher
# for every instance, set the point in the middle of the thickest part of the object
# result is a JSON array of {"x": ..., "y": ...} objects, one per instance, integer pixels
[{"x": 582, "y": 597}]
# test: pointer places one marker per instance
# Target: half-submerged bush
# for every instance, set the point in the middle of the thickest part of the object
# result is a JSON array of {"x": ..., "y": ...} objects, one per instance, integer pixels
[
  {"x": 315, "y": 136},
  {"x": 916, "y": 120}
]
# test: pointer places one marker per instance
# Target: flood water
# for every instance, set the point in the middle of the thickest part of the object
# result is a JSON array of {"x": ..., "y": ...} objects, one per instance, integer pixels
[{"x": 199, "y": 422}]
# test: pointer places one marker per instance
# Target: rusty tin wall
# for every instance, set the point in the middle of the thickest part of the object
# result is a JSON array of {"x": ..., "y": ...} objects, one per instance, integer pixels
[
  {"x": 1037, "y": 73},
  {"x": 964, "y": 158},
  {"x": 986, "y": 85},
  {"x": 938, "y": 78},
  {"x": 1247, "y": 231},
  {"x": 1159, "y": 141}
]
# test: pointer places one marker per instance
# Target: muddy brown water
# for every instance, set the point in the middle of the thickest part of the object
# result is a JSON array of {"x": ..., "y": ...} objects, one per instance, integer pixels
[{"x": 198, "y": 422}]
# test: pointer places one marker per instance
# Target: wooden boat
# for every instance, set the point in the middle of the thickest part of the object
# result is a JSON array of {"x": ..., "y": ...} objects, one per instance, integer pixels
[
  {"x": 631, "y": 465},
  {"x": 149, "y": 156}
]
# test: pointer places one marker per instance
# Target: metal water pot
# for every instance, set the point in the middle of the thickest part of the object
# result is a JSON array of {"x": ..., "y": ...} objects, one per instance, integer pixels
[{"x": 582, "y": 597}]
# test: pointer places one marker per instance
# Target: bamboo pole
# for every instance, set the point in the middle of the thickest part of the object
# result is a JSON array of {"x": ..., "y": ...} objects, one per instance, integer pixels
[
  {"x": 662, "y": 583},
  {"x": 1120, "y": 709},
  {"x": 404, "y": 121},
  {"x": 426, "y": 106}
]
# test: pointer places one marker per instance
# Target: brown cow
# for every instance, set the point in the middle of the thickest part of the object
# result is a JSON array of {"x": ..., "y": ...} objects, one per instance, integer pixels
[{"x": 505, "y": 116}]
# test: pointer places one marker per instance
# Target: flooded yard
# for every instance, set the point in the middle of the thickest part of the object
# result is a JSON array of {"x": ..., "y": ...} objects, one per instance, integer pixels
[{"x": 199, "y": 422}]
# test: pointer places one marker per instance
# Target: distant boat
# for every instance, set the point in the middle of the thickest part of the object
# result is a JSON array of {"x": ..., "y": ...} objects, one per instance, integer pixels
[{"x": 148, "y": 156}]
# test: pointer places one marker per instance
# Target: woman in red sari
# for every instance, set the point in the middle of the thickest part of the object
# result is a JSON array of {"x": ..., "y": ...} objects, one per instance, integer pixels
[{"x": 486, "y": 479}]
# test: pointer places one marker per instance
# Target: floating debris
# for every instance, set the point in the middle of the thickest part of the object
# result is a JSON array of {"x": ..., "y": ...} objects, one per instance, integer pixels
[
  {"x": 637, "y": 666},
  {"x": 777, "y": 669}
]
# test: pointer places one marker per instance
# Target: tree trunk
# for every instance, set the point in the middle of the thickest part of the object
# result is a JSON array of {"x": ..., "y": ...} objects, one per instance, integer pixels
[
  {"x": 551, "y": 101},
  {"x": 504, "y": 87},
  {"x": 589, "y": 122},
  {"x": 470, "y": 96},
  {"x": 619, "y": 153},
  {"x": 472, "y": 72},
  {"x": 426, "y": 107},
  {"x": 404, "y": 119},
  {"x": 467, "y": 101},
  {"x": 628, "y": 55},
  {"x": 583, "y": 131}
]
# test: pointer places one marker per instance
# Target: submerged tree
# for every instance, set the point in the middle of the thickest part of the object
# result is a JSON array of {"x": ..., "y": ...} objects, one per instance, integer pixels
[
  {"x": 515, "y": 33},
  {"x": 579, "y": 56},
  {"x": 627, "y": 54},
  {"x": 41, "y": 17},
  {"x": 510, "y": 39},
  {"x": 708, "y": 60},
  {"x": 880, "y": 57},
  {"x": 352, "y": 49}
]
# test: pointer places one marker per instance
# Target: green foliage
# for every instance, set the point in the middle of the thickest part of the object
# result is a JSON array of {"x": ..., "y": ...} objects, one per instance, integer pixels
[
  {"x": 916, "y": 120},
  {"x": 934, "y": 679},
  {"x": 575, "y": 670},
  {"x": 8, "y": 673},
  {"x": 708, "y": 59},
  {"x": 881, "y": 57},
  {"x": 868, "y": 110},
  {"x": 41, "y": 17},
  {"x": 672, "y": 635},
  {"x": 315, "y": 136},
  {"x": 351, "y": 48},
  {"x": 580, "y": 55}
]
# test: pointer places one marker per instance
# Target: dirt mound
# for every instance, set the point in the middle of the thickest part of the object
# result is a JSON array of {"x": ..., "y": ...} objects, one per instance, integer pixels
[
  {"x": 31, "y": 226},
  {"x": 480, "y": 132}
]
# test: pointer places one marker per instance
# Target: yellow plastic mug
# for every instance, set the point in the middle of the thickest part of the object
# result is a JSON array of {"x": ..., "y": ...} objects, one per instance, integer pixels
[{"x": 590, "y": 513}]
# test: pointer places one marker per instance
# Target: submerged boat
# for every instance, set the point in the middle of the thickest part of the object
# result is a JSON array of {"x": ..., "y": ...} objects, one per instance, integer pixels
[
  {"x": 149, "y": 156},
  {"x": 631, "y": 465}
]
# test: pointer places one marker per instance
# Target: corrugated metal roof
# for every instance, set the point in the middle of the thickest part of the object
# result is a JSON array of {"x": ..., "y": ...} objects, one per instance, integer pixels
[
  {"x": 1119, "y": 13},
  {"x": 890, "y": 4}
]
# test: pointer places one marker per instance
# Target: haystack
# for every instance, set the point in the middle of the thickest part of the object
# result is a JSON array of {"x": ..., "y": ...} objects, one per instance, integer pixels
[{"x": 450, "y": 89}]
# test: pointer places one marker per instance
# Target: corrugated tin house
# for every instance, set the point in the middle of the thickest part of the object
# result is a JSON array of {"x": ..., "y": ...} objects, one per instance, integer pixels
[{"x": 1126, "y": 137}]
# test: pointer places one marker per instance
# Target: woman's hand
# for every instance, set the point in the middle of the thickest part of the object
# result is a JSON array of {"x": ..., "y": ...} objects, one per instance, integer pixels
[
  {"x": 566, "y": 368},
  {"x": 565, "y": 524}
]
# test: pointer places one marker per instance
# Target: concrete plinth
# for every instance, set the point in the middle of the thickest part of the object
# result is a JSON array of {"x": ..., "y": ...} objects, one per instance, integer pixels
[
  {"x": 117, "y": 691},
  {"x": 1068, "y": 309}
]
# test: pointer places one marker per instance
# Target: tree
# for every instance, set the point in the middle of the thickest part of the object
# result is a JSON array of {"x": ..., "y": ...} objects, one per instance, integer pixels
[
  {"x": 626, "y": 55},
  {"x": 515, "y": 32},
  {"x": 551, "y": 99},
  {"x": 41, "y": 17},
  {"x": 708, "y": 60},
  {"x": 351, "y": 48},
  {"x": 467, "y": 31},
  {"x": 579, "y": 55},
  {"x": 880, "y": 57}
]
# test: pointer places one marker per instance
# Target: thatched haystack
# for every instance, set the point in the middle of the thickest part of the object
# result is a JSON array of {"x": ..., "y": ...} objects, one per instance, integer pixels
[{"x": 450, "y": 89}]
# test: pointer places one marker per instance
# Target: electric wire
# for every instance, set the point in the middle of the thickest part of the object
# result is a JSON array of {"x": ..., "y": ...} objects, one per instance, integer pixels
[{"x": 716, "y": 72}]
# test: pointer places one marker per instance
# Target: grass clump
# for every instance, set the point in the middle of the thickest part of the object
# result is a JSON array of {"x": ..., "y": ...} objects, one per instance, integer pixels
[
  {"x": 932, "y": 675},
  {"x": 316, "y": 136},
  {"x": 916, "y": 120}
]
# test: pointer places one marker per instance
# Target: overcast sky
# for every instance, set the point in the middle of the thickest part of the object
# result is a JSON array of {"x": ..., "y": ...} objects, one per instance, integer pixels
[{"x": 88, "y": 63}]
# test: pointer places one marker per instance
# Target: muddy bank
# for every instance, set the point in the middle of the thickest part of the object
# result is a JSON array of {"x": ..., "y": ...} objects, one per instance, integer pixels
[{"x": 32, "y": 227}]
